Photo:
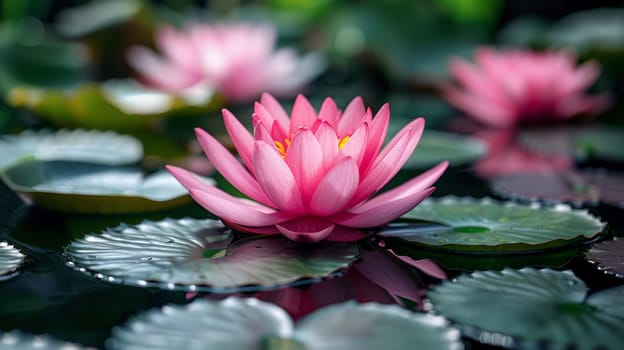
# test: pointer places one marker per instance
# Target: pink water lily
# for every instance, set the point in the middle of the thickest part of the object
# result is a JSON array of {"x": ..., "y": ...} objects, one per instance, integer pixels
[
  {"x": 238, "y": 60},
  {"x": 312, "y": 175},
  {"x": 507, "y": 88}
]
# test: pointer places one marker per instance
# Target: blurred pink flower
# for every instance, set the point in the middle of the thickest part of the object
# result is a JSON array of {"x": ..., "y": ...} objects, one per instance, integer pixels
[
  {"x": 514, "y": 87},
  {"x": 237, "y": 60},
  {"x": 311, "y": 176}
]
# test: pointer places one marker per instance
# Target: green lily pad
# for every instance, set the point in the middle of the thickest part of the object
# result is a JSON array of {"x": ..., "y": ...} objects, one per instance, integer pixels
[
  {"x": 120, "y": 105},
  {"x": 95, "y": 188},
  {"x": 486, "y": 226},
  {"x": 608, "y": 256},
  {"x": 77, "y": 145},
  {"x": 237, "y": 323},
  {"x": 532, "y": 307},
  {"x": 589, "y": 141},
  {"x": 95, "y": 15},
  {"x": 199, "y": 255},
  {"x": 16, "y": 340},
  {"x": 42, "y": 62},
  {"x": 437, "y": 146},
  {"x": 10, "y": 260}
]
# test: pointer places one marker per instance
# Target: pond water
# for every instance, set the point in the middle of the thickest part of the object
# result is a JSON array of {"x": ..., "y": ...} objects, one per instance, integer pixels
[{"x": 49, "y": 297}]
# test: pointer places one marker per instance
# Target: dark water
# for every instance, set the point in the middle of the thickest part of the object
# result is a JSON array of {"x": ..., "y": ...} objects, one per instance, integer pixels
[{"x": 48, "y": 297}]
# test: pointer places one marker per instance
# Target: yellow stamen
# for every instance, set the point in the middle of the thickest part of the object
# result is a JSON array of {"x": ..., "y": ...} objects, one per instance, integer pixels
[
  {"x": 342, "y": 142},
  {"x": 281, "y": 148}
]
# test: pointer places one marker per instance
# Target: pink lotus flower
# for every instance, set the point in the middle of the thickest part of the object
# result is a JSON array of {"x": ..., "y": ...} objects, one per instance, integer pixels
[
  {"x": 311, "y": 176},
  {"x": 514, "y": 87},
  {"x": 237, "y": 60}
]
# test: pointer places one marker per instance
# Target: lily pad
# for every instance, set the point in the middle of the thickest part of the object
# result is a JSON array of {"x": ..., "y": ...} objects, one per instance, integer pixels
[
  {"x": 10, "y": 260},
  {"x": 120, "y": 105},
  {"x": 16, "y": 340},
  {"x": 585, "y": 141},
  {"x": 532, "y": 307},
  {"x": 199, "y": 255},
  {"x": 103, "y": 147},
  {"x": 236, "y": 323},
  {"x": 486, "y": 226},
  {"x": 609, "y": 256},
  {"x": 437, "y": 146},
  {"x": 97, "y": 15},
  {"x": 578, "y": 187},
  {"x": 94, "y": 188}
]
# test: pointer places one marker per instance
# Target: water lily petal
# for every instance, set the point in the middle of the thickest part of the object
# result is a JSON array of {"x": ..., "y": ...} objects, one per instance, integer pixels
[
  {"x": 306, "y": 229},
  {"x": 160, "y": 73},
  {"x": 328, "y": 140},
  {"x": 329, "y": 112},
  {"x": 263, "y": 116},
  {"x": 276, "y": 178},
  {"x": 390, "y": 160},
  {"x": 480, "y": 109},
  {"x": 241, "y": 138},
  {"x": 382, "y": 213},
  {"x": 178, "y": 47},
  {"x": 352, "y": 117},
  {"x": 276, "y": 110},
  {"x": 303, "y": 114},
  {"x": 305, "y": 159},
  {"x": 377, "y": 131},
  {"x": 230, "y": 168},
  {"x": 356, "y": 145},
  {"x": 409, "y": 188},
  {"x": 336, "y": 188},
  {"x": 236, "y": 210}
]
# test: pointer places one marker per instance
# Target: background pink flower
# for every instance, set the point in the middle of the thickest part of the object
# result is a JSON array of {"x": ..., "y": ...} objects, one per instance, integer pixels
[
  {"x": 511, "y": 87},
  {"x": 310, "y": 175},
  {"x": 239, "y": 60}
]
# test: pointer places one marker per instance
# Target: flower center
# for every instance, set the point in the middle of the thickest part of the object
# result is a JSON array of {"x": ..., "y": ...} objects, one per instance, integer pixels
[{"x": 282, "y": 146}]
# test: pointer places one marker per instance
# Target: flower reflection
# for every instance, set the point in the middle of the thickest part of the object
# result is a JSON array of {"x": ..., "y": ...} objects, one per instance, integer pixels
[
  {"x": 238, "y": 60},
  {"x": 312, "y": 175},
  {"x": 378, "y": 276},
  {"x": 507, "y": 88},
  {"x": 506, "y": 156}
]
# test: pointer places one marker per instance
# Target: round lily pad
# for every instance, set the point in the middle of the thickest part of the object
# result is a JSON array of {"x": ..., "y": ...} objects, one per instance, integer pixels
[
  {"x": 578, "y": 187},
  {"x": 486, "y": 226},
  {"x": 103, "y": 147},
  {"x": 437, "y": 146},
  {"x": 16, "y": 340},
  {"x": 237, "y": 323},
  {"x": 530, "y": 307},
  {"x": 120, "y": 105},
  {"x": 583, "y": 141},
  {"x": 10, "y": 260},
  {"x": 93, "y": 188},
  {"x": 609, "y": 256},
  {"x": 199, "y": 255}
]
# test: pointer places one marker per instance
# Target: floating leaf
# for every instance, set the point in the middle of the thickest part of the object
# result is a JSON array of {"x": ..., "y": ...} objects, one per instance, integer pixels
[
  {"x": 589, "y": 141},
  {"x": 479, "y": 226},
  {"x": 117, "y": 105},
  {"x": 94, "y": 188},
  {"x": 10, "y": 260},
  {"x": 78, "y": 145},
  {"x": 437, "y": 146},
  {"x": 197, "y": 255},
  {"x": 22, "y": 341},
  {"x": 93, "y": 16},
  {"x": 531, "y": 307},
  {"x": 609, "y": 256},
  {"x": 42, "y": 62},
  {"x": 236, "y": 323},
  {"x": 579, "y": 187}
]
